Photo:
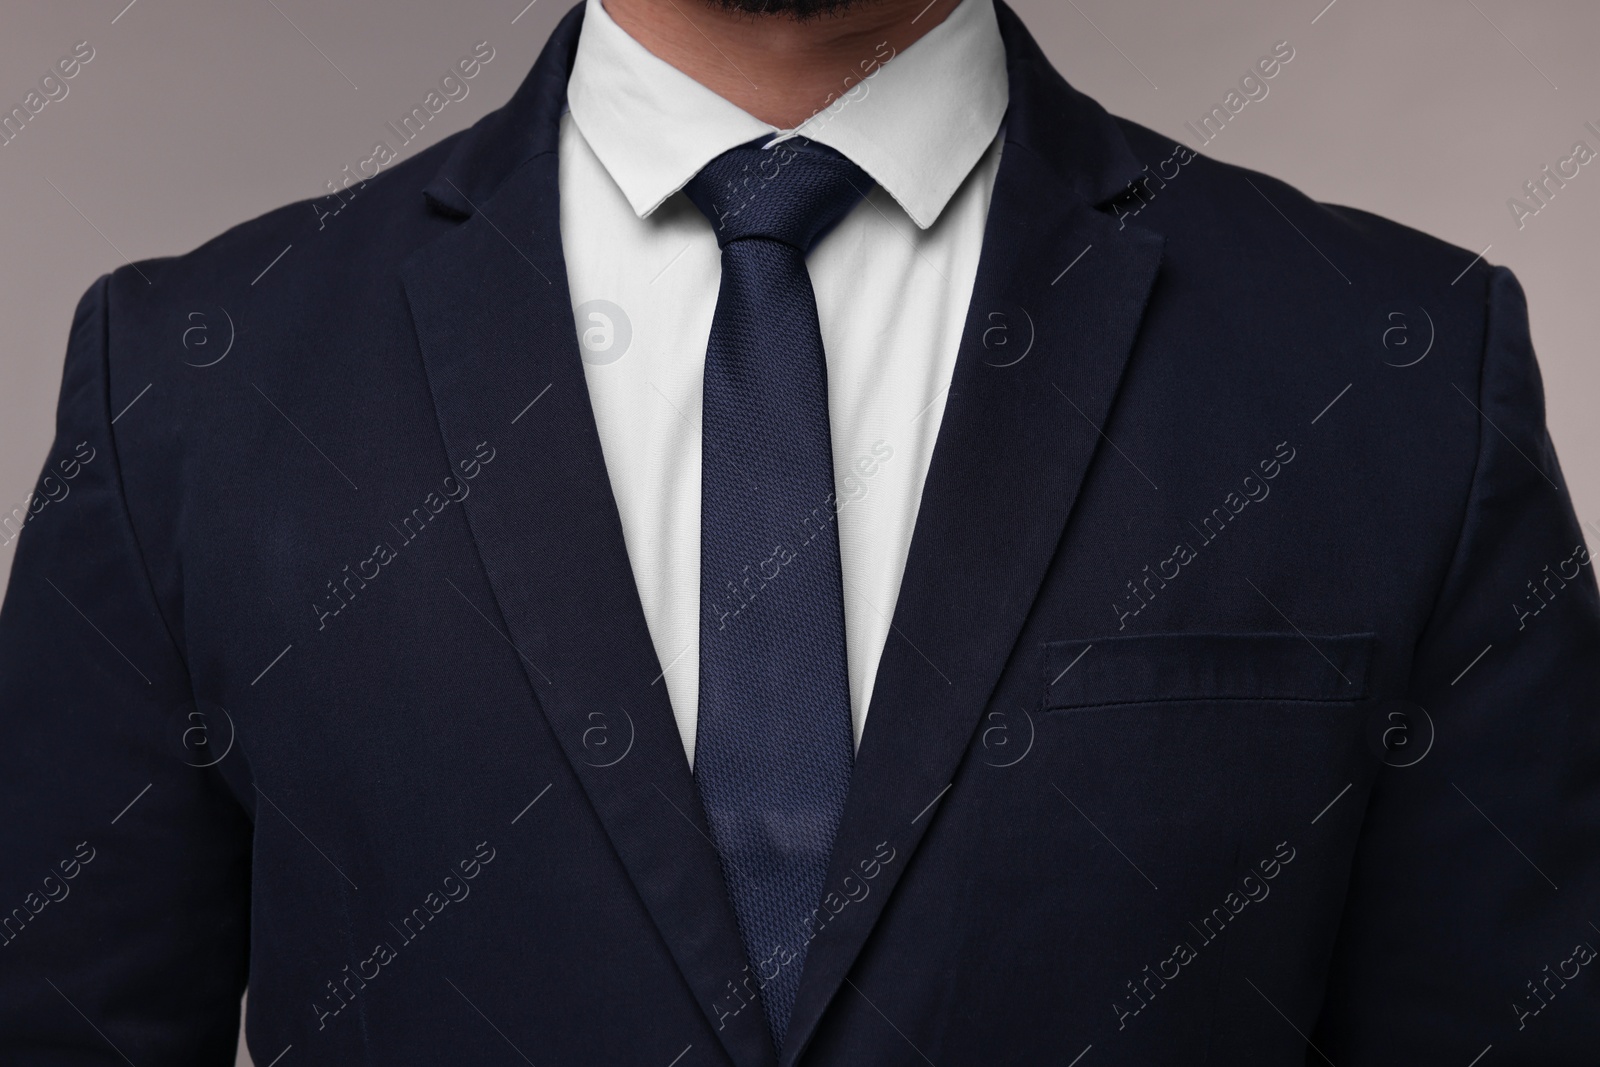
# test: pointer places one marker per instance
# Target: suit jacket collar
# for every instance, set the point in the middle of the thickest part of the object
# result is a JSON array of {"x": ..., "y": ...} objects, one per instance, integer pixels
[
  {"x": 528, "y": 125},
  {"x": 1071, "y": 133},
  {"x": 494, "y": 323},
  {"x": 917, "y": 123}
]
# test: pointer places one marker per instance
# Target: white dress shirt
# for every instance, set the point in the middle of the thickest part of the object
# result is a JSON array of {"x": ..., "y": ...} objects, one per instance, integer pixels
[{"x": 893, "y": 281}]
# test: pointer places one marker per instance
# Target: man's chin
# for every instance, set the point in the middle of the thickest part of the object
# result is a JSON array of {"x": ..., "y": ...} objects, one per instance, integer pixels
[{"x": 792, "y": 9}]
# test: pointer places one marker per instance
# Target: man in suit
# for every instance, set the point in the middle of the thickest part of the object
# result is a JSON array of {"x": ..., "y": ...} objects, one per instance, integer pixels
[{"x": 801, "y": 539}]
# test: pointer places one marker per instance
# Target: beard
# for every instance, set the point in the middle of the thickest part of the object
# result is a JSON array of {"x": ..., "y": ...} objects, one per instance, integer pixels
[{"x": 798, "y": 10}]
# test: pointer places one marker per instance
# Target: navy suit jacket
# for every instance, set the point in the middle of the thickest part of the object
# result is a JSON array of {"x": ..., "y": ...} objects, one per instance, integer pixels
[{"x": 1241, "y": 693}]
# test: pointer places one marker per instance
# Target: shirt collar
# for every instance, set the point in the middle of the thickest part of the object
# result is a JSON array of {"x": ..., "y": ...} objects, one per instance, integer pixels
[{"x": 917, "y": 124}]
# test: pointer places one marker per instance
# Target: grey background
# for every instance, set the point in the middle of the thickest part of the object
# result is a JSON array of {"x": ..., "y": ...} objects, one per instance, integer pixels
[{"x": 194, "y": 116}]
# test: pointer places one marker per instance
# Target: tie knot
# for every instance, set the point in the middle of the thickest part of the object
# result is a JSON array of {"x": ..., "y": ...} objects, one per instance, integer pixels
[{"x": 793, "y": 192}]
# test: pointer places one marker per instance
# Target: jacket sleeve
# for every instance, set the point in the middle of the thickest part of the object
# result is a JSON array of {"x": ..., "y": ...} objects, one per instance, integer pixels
[
  {"x": 1470, "y": 916},
  {"x": 124, "y": 860}
]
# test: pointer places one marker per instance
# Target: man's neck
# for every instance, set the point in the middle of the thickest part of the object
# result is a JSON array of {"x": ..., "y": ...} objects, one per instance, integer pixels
[{"x": 779, "y": 69}]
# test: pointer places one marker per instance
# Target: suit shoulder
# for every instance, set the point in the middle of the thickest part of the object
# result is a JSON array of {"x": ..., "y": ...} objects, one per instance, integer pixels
[{"x": 1192, "y": 197}]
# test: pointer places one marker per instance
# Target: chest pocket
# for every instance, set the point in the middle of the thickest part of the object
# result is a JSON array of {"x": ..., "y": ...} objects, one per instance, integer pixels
[{"x": 1169, "y": 668}]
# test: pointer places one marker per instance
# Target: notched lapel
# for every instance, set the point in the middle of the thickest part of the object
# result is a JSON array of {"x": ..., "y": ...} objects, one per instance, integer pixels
[
  {"x": 494, "y": 320},
  {"x": 1065, "y": 284}
]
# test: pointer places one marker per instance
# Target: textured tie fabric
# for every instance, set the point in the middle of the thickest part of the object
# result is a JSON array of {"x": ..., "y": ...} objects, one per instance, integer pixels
[{"x": 773, "y": 748}]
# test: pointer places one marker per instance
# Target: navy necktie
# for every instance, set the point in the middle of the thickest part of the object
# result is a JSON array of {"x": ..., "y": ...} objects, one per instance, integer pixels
[{"x": 773, "y": 747}]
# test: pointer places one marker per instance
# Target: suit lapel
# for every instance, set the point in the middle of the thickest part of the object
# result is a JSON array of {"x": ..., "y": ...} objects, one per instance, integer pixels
[
  {"x": 1012, "y": 451},
  {"x": 494, "y": 320}
]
